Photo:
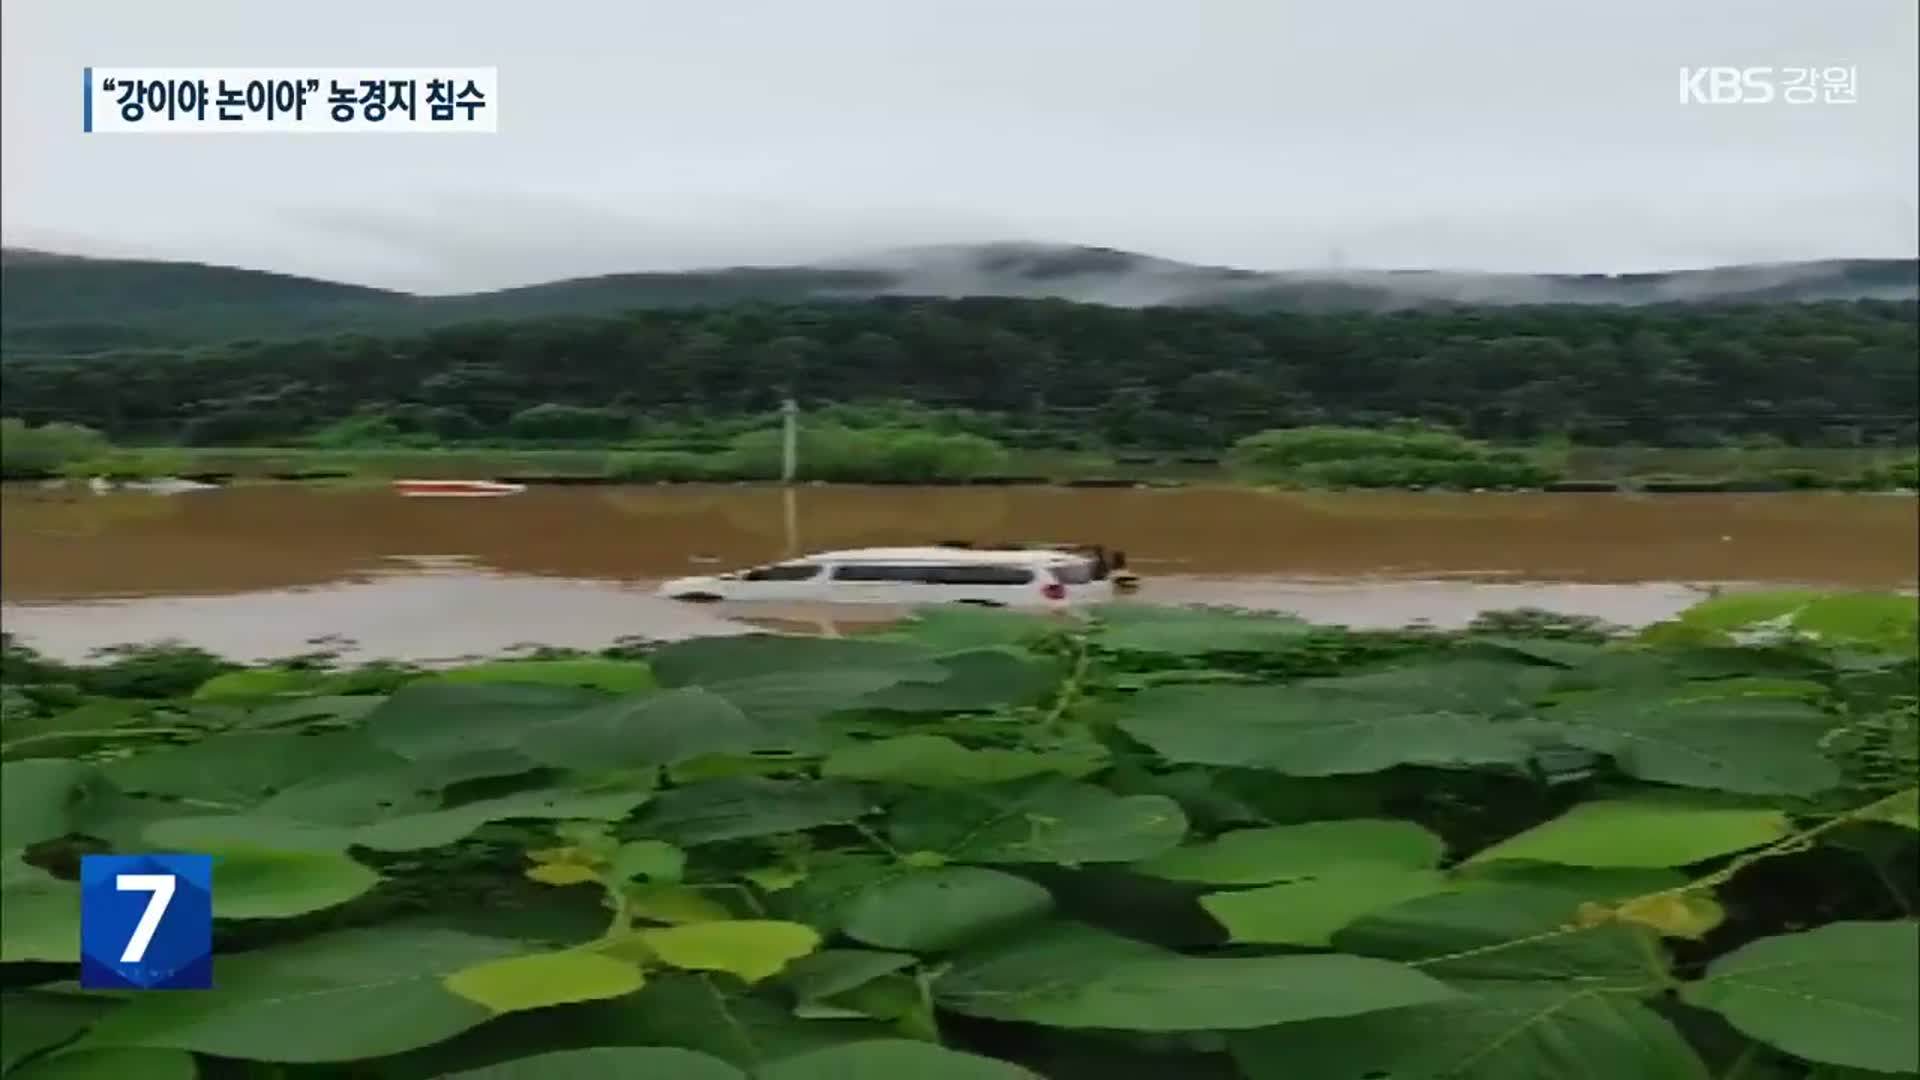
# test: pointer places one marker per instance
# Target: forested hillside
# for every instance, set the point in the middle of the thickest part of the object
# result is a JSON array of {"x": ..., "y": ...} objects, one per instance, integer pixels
[
  {"x": 1826, "y": 374},
  {"x": 62, "y": 304}
]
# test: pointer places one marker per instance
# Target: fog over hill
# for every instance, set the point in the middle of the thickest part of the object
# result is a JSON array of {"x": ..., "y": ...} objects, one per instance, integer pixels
[{"x": 59, "y": 303}]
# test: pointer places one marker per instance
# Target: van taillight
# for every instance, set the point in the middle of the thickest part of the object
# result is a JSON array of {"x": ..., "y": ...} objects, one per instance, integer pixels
[{"x": 1053, "y": 590}]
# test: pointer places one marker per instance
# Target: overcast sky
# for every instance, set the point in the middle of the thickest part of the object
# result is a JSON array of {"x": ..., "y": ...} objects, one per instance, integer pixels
[{"x": 659, "y": 134}]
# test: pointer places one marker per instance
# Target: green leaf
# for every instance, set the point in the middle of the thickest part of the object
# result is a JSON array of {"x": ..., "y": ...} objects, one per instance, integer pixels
[
  {"x": 110, "y": 1065},
  {"x": 1048, "y": 820},
  {"x": 707, "y": 661},
  {"x": 1509, "y": 932},
  {"x": 695, "y": 1012},
  {"x": 752, "y": 949},
  {"x": 39, "y": 914},
  {"x": 829, "y": 972},
  {"x": 611, "y": 676},
  {"x": 539, "y": 980},
  {"x": 1290, "y": 852},
  {"x": 973, "y": 679},
  {"x": 1647, "y": 832},
  {"x": 1439, "y": 714},
  {"x": 1500, "y": 1031},
  {"x": 653, "y": 860},
  {"x": 1073, "y": 977},
  {"x": 608, "y": 1063},
  {"x": 743, "y": 807},
  {"x": 1757, "y": 746},
  {"x": 1178, "y": 631},
  {"x": 427, "y": 720},
  {"x": 263, "y": 884},
  {"x": 1309, "y": 910},
  {"x": 891, "y": 1059},
  {"x": 46, "y": 798},
  {"x": 32, "y": 1021},
  {"x": 937, "y": 761},
  {"x": 240, "y": 769},
  {"x": 935, "y": 910},
  {"x": 1847, "y": 993},
  {"x": 334, "y": 997},
  {"x": 253, "y": 683},
  {"x": 658, "y": 729}
]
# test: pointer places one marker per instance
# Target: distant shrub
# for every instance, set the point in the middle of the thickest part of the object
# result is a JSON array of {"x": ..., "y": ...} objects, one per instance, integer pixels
[
  {"x": 568, "y": 422},
  {"x": 854, "y": 455},
  {"x": 28, "y": 452},
  {"x": 644, "y": 466},
  {"x": 1389, "y": 458}
]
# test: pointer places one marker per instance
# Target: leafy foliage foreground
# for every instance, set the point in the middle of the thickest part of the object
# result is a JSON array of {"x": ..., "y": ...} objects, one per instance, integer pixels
[{"x": 982, "y": 845}]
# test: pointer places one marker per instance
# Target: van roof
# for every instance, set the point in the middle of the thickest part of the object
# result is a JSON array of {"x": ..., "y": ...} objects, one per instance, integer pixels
[{"x": 944, "y": 555}]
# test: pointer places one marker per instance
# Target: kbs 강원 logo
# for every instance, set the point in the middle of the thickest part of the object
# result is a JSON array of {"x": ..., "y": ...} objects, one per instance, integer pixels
[{"x": 146, "y": 922}]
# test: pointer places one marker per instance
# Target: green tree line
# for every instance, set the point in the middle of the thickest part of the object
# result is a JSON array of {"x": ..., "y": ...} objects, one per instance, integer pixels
[{"x": 1031, "y": 373}]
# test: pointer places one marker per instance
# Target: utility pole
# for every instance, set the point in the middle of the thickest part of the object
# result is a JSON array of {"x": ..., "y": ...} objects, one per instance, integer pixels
[{"x": 790, "y": 448}]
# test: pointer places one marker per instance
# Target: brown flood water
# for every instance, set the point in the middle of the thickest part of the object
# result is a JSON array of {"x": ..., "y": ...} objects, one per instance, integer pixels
[{"x": 262, "y": 571}]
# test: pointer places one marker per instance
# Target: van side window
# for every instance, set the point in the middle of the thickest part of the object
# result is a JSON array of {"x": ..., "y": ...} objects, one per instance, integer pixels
[
  {"x": 874, "y": 572},
  {"x": 784, "y": 572},
  {"x": 980, "y": 575}
]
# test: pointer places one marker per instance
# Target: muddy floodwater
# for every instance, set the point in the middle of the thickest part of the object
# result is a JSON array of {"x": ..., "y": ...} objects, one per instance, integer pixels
[{"x": 263, "y": 571}]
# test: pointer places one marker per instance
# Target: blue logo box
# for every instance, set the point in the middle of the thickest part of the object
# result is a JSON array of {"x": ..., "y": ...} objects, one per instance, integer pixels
[{"x": 146, "y": 922}]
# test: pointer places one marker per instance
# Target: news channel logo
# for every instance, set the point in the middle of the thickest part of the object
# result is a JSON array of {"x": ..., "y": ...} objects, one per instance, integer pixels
[
  {"x": 340, "y": 101},
  {"x": 146, "y": 922},
  {"x": 1834, "y": 85}
]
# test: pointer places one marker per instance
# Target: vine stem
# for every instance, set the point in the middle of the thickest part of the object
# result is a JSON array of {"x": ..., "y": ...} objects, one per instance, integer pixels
[
  {"x": 1739, "y": 1067},
  {"x": 1070, "y": 688}
]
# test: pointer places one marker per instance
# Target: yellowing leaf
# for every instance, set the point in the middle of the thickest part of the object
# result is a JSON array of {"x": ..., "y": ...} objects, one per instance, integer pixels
[
  {"x": 753, "y": 949},
  {"x": 561, "y": 873},
  {"x": 538, "y": 980},
  {"x": 1900, "y": 809},
  {"x": 560, "y": 854},
  {"x": 1681, "y": 915},
  {"x": 675, "y": 904}
]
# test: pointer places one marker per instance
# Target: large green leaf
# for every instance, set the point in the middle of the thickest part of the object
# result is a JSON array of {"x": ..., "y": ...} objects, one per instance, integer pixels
[
  {"x": 425, "y": 720},
  {"x": 1758, "y": 746},
  {"x": 1180, "y": 631},
  {"x": 748, "y": 806},
  {"x": 1047, "y": 820},
  {"x": 1440, "y": 714},
  {"x": 658, "y": 729},
  {"x": 695, "y": 1012},
  {"x": 1870, "y": 620},
  {"x": 891, "y": 1059},
  {"x": 242, "y": 768},
  {"x": 46, "y": 798},
  {"x": 1309, "y": 910},
  {"x": 1500, "y": 1031},
  {"x": 114, "y": 1064},
  {"x": 1289, "y": 852},
  {"x": 406, "y": 832},
  {"x": 1075, "y": 977},
  {"x": 937, "y": 761},
  {"x": 982, "y": 678},
  {"x": 1847, "y": 993},
  {"x": 265, "y": 884},
  {"x": 752, "y": 949},
  {"x": 608, "y": 1063},
  {"x": 946, "y": 627},
  {"x": 796, "y": 699},
  {"x": 254, "y": 683},
  {"x": 1511, "y": 932},
  {"x": 540, "y": 980},
  {"x": 39, "y": 914},
  {"x": 334, "y": 997},
  {"x": 1646, "y": 831},
  {"x": 707, "y": 661},
  {"x": 937, "y": 909},
  {"x": 32, "y": 1021},
  {"x": 612, "y": 676},
  {"x": 829, "y": 972}
]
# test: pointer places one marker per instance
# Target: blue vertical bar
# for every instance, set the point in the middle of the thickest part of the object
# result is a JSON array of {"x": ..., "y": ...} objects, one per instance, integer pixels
[{"x": 86, "y": 100}]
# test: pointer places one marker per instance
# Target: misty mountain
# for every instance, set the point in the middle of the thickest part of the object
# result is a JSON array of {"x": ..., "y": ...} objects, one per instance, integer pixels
[{"x": 51, "y": 303}]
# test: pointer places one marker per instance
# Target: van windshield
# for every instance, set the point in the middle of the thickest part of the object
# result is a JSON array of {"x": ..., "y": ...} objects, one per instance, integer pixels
[{"x": 1077, "y": 572}]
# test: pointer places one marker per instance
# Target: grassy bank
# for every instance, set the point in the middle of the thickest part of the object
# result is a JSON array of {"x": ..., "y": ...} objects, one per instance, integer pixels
[
  {"x": 1001, "y": 847},
  {"x": 1309, "y": 457}
]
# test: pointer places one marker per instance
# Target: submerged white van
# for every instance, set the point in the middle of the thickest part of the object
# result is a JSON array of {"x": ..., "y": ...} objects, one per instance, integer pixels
[{"x": 1049, "y": 577}]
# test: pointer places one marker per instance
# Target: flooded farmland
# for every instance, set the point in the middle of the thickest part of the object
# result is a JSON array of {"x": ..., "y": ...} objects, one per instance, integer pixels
[{"x": 264, "y": 570}]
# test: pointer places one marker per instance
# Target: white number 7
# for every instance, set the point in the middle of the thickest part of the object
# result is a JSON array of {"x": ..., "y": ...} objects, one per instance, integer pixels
[{"x": 161, "y": 886}]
